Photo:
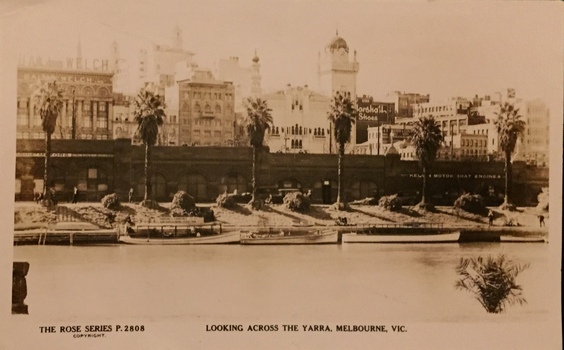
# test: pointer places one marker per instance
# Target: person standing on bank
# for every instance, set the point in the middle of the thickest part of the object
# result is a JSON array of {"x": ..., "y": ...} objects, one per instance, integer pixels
[
  {"x": 75, "y": 195},
  {"x": 130, "y": 194},
  {"x": 490, "y": 218},
  {"x": 541, "y": 220}
]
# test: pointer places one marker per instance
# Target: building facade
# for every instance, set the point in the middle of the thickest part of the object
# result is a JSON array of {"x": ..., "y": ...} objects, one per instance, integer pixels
[
  {"x": 300, "y": 123},
  {"x": 206, "y": 115},
  {"x": 87, "y": 111},
  {"x": 372, "y": 113},
  {"x": 101, "y": 167},
  {"x": 246, "y": 80}
]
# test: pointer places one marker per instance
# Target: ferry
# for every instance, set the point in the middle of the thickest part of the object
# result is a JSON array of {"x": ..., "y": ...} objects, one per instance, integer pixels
[{"x": 289, "y": 236}]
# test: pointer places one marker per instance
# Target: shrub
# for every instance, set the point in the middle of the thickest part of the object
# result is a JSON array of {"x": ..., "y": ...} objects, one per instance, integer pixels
[
  {"x": 392, "y": 203},
  {"x": 297, "y": 201},
  {"x": 543, "y": 199},
  {"x": 472, "y": 203},
  {"x": 111, "y": 201},
  {"x": 492, "y": 281},
  {"x": 226, "y": 201},
  {"x": 182, "y": 201}
]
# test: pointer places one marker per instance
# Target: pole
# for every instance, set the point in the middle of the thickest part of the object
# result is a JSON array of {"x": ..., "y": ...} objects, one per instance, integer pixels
[
  {"x": 451, "y": 141},
  {"x": 378, "y": 138},
  {"x": 73, "y": 127}
]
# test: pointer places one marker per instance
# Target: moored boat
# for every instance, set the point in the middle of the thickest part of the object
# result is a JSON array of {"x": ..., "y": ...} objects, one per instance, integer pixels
[
  {"x": 63, "y": 233},
  {"x": 354, "y": 237},
  {"x": 178, "y": 233},
  {"x": 282, "y": 236},
  {"x": 523, "y": 239}
]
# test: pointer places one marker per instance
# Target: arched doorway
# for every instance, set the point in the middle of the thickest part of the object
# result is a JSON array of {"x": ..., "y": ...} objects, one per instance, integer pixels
[
  {"x": 362, "y": 189},
  {"x": 233, "y": 182},
  {"x": 195, "y": 185}
]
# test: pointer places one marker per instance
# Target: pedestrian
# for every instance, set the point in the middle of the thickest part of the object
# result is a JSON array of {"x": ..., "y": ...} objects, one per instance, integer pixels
[
  {"x": 490, "y": 218},
  {"x": 541, "y": 220},
  {"x": 53, "y": 195},
  {"x": 130, "y": 194},
  {"x": 75, "y": 195}
]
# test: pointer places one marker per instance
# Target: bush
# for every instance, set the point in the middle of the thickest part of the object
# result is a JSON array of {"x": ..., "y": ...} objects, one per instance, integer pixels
[
  {"x": 297, "y": 201},
  {"x": 543, "y": 199},
  {"x": 226, "y": 201},
  {"x": 111, "y": 201},
  {"x": 182, "y": 201},
  {"x": 492, "y": 280},
  {"x": 392, "y": 203},
  {"x": 472, "y": 203}
]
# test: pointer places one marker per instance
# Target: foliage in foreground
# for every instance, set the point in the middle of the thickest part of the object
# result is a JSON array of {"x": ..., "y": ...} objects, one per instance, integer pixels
[
  {"x": 297, "y": 201},
  {"x": 391, "y": 203},
  {"x": 471, "y": 203},
  {"x": 111, "y": 201},
  {"x": 492, "y": 281}
]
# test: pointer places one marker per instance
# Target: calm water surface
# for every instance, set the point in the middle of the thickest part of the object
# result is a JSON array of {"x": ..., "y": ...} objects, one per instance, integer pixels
[{"x": 232, "y": 283}]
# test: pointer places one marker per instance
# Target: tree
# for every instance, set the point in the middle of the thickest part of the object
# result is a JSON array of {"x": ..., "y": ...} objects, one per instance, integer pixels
[
  {"x": 342, "y": 114},
  {"x": 492, "y": 281},
  {"x": 427, "y": 139},
  {"x": 149, "y": 114},
  {"x": 509, "y": 129},
  {"x": 49, "y": 100},
  {"x": 257, "y": 121}
]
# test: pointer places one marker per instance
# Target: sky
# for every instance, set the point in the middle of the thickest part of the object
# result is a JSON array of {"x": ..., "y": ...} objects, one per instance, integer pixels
[{"x": 441, "y": 48}]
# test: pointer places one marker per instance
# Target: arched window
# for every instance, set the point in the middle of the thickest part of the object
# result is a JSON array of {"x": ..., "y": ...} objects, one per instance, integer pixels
[
  {"x": 363, "y": 189},
  {"x": 301, "y": 131},
  {"x": 207, "y": 109},
  {"x": 217, "y": 109},
  {"x": 158, "y": 186},
  {"x": 233, "y": 182},
  {"x": 93, "y": 181},
  {"x": 195, "y": 185},
  {"x": 197, "y": 108}
]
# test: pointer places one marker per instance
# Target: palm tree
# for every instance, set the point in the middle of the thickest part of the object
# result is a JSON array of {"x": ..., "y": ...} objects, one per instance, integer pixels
[
  {"x": 509, "y": 129},
  {"x": 427, "y": 139},
  {"x": 149, "y": 113},
  {"x": 257, "y": 121},
  {"x": 49, "y": 98},
  {"x": 492, "y": 281},
  {"x": 343, "y": 115}
]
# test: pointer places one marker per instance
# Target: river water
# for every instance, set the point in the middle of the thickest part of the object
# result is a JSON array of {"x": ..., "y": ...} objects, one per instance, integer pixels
[{"x": 354, "y": 283}]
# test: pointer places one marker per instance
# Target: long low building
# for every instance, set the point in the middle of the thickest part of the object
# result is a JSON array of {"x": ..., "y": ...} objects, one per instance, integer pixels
[{"x": 99, "y": 167}]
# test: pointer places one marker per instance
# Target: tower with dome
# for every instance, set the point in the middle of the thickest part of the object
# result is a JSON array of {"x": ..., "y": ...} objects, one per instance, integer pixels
[{"x": 336, "y": 71}]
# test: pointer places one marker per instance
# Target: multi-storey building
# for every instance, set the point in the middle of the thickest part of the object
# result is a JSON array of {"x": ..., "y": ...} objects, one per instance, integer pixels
[
  {"x": 87, "y": 98},
  {"x": 246, "y": 80},
  {"x": 371, "y": 114},
  {"x": 205, "y": 106},
  {"x": 157, "y": 65},
  {"x": 404, "y": 102},
  {"x": 535, "y": 144},
  {"x": 453, "y": 116},
  {"x": 299, "y": 121}
]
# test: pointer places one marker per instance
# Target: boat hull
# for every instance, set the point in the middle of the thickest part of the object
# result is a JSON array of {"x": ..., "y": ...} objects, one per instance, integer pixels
[
  {"x": 524, "y": 239},
  {"x": 43, "y": 236},
  {"x": 224, "y": 238},
  {"x": 318, "y": 237},
  {"x": 451, "y": 237}
]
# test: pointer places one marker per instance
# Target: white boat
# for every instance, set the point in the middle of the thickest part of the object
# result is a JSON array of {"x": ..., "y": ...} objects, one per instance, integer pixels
[
  {"x": 220, "y": 238},
  {"x": 175, "y": 233},
  {"x": 403, "y": 238},
  {"x": 523, "y": 239},
  {"x": 289, "y": 237}
]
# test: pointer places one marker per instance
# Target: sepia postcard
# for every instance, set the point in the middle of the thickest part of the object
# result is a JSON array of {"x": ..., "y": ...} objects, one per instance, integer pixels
[{"x": 260, "y": 174}]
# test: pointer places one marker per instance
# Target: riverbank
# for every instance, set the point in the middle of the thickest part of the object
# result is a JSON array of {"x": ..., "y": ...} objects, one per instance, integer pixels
[{"x": 525, "y": 218}]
